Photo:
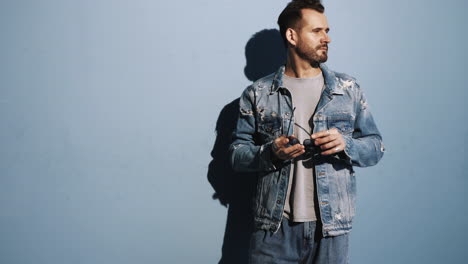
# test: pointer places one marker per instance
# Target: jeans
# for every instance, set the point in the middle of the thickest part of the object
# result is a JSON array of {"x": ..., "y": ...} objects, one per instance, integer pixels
[{"x": 298, "y": 243}]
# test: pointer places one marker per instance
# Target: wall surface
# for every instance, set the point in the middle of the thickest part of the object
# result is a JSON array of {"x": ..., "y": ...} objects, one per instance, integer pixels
[{"x": 108, "y": 111}]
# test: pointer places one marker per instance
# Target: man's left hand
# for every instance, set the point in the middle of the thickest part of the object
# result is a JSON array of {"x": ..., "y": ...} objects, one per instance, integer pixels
[{"x": 330, "y": 141}]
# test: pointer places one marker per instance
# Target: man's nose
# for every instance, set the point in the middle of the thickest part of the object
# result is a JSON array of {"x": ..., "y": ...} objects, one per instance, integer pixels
[{"x": 326, "y": 38}]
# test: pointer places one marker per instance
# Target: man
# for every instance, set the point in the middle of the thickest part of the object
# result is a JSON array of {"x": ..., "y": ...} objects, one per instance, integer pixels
[{"x": 305, "y": 195}]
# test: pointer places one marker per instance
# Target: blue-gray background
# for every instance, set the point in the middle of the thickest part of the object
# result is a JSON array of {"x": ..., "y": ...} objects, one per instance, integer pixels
[{"x": 108, "y": 110}]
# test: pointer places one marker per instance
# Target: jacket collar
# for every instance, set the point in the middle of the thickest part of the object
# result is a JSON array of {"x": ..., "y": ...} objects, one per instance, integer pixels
[{"x": 328, "y": 75}]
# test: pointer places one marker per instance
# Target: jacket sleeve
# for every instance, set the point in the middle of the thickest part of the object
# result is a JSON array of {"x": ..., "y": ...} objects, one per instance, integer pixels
[
  {"x": 245, "y": 154},
  {"x": 365, "y": 147}
]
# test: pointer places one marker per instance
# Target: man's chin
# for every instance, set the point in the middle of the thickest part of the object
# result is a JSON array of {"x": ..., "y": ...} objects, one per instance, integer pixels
[
  {"x": 322, "y": 56},
  {"x": 322, "y": 60}
]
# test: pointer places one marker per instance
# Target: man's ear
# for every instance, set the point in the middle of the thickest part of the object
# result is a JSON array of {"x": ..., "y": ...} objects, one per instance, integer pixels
[{"x": 291, "y": 36}]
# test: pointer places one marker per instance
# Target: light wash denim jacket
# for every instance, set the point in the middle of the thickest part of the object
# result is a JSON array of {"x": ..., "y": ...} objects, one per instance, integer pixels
[{"x": 265, "y": 114}]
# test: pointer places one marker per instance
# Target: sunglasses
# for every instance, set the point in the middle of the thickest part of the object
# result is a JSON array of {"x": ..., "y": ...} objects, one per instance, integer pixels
[{"x": 308, "y": 143}]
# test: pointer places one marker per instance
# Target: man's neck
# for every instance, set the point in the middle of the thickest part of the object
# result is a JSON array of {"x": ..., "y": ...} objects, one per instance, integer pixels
[{"x": 298, "y": 68}]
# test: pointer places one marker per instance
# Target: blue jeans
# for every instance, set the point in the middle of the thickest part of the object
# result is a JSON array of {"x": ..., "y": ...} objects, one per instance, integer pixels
[{"x": 298, "y": 243}]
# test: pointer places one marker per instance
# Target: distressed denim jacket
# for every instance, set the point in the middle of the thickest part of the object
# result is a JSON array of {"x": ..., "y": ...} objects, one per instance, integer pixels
[{"x": 265, "y": 113}]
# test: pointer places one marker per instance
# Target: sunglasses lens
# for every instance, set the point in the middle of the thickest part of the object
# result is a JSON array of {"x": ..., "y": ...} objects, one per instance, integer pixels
[{"x": 293, "y": 141}]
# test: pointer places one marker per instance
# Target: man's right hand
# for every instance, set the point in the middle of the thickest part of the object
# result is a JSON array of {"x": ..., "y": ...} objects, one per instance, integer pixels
[{"x": 283, "y": 151}]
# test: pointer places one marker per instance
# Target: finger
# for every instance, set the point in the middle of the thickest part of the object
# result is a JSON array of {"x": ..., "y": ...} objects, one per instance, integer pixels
[
  {"x": 320, "y": 134},
  {"x": 334, "y": 131},
  {"x": 324, "y": 140},
  {"x": 334, "y": 150},
  {"x": 297, "y": 154},
  {"x": 289, "y": 150},
  {"x": 324, "y": 133},
  {"x": 294, "y": 152},
  {"x": 291, "y": 154},
  {"x": 281, "y": 141},
  {"x": 330, "y": 145}
]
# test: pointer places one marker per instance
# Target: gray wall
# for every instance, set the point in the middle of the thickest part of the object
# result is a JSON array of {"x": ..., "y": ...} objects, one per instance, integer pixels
[{"x": 108, "y": 111}]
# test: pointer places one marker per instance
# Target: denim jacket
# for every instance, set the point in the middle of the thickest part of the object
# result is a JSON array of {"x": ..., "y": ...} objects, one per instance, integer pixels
[{"x": 265, "y": 113}]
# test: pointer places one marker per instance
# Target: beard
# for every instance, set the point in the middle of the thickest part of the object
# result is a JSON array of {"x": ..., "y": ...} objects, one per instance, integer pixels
[{"x": 313, "y": 55}]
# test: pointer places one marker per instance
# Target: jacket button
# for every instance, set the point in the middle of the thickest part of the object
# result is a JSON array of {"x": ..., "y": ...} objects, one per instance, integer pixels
[
  {"x": 284, "y": 172},
  {"x": 278, "y": 201}
]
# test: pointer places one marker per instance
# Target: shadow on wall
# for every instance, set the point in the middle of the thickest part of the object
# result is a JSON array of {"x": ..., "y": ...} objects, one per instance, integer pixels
[{"x": 264, "y": 53}]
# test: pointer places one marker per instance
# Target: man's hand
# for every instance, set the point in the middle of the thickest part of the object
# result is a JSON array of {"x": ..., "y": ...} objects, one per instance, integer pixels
[
  {"x": 283, "y": 151},
  {"x": 331, "y": 141}
]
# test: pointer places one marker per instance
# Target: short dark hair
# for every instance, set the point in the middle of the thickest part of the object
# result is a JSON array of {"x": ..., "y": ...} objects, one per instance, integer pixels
[{"x": 292, "y": 13}]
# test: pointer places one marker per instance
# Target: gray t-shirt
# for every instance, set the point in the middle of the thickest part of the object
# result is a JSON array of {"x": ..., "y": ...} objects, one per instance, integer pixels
[{"x": 301, "y": 196}]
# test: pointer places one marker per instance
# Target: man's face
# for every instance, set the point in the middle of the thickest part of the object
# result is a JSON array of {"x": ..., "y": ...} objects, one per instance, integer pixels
[{"x": 312, "y": 36}]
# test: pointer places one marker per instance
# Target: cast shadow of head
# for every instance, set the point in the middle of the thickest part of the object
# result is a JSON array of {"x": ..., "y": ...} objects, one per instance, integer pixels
[{"x": 264, "y": 53}]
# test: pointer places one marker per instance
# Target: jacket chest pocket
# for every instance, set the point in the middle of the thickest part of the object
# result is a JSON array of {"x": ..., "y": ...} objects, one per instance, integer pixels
[{"x": 344, "y": 122}]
